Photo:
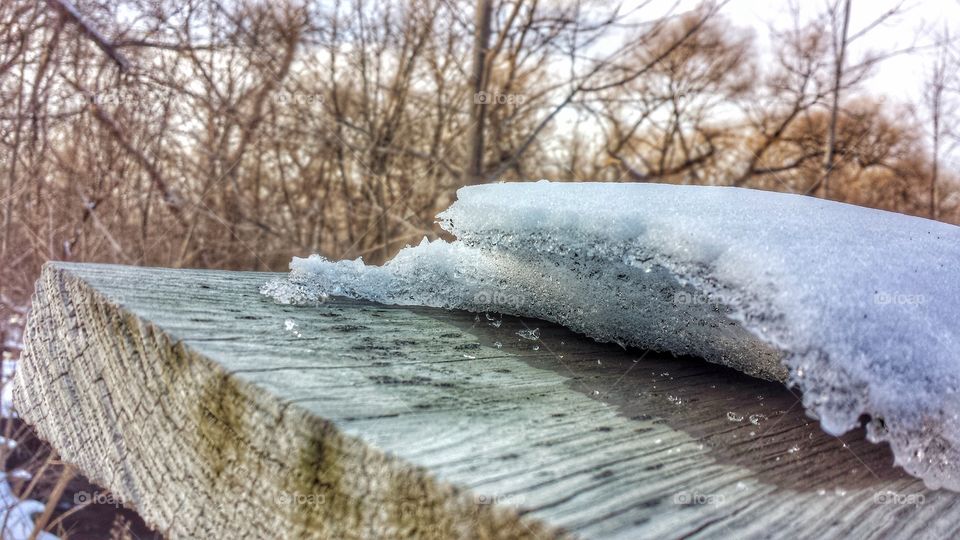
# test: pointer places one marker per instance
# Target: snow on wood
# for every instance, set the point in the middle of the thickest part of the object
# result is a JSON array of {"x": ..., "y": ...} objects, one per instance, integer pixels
[
  {"x": 217, "y": 413},
  {"x": 855, "y": 307}
]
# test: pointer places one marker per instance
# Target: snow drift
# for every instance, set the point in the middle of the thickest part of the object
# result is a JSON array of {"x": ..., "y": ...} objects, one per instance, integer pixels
[{"x": 856, "y": 307}]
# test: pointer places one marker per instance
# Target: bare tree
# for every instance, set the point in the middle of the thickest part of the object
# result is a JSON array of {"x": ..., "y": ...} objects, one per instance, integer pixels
[
  {"x": 664, "y": 125},
  {"x": 839, "y": 42},
  {"x": 942, "y": 79}
]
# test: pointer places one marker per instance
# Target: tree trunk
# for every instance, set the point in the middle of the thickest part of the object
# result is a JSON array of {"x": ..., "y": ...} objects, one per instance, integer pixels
[
  {"x": 835, "y": 105},
  {"x": 481, "y": 43}
]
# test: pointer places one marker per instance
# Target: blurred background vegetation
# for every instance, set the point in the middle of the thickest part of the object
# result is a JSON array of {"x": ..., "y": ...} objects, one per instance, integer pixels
[{"x": 237, "y": 134}]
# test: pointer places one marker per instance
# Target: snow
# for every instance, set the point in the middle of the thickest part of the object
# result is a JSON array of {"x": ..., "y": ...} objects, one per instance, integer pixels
[
  {"x": 856, "y": 307},
  {"x": 6, "y": 388},
  {"x": 17, "y": 515}
]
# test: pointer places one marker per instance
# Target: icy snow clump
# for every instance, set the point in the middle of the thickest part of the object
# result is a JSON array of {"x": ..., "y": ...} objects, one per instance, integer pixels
[{"x": 856, "y": 307}]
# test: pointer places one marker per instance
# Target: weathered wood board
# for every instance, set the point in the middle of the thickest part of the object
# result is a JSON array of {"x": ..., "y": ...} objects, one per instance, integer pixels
[{"x": 216, "y": 413}]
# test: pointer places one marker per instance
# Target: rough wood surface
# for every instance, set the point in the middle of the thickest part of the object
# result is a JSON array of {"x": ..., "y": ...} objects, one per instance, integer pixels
[{"x": 217, "y": 413}]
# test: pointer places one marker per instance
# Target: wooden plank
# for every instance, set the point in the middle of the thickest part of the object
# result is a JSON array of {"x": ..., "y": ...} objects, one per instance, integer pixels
[{"x": 213, "y": 411}]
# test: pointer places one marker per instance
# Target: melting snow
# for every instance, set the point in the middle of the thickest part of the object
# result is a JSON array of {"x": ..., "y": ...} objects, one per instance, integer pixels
[
  {"x": 532, "y": 335},
  {"x": 856, "y": 307}
]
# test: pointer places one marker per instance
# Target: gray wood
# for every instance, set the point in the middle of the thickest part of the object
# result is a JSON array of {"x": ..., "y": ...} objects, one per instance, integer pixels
[{"x": 215, "y": 412}]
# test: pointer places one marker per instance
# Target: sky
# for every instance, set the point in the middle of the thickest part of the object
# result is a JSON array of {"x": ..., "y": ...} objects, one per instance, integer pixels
[{"x": 900, "y": 77}]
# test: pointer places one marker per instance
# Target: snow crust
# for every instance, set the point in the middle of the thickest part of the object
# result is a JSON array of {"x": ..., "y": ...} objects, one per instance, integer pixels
[{"x": 856, "y": 307}]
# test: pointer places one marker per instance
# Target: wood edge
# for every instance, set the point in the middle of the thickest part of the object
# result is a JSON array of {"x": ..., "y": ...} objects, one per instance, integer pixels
[{"x": 414, "y": 500}]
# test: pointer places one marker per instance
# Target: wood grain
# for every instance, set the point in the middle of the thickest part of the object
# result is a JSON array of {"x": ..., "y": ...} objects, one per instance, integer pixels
[{"x": 213, "y": 411}]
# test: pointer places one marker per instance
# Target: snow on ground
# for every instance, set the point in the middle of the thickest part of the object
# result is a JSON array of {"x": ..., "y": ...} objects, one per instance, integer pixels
[
  {"x": 16, "y": 516},
  {"x": 856, "y": 307},
  {"x": 6, "y": 383}
]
